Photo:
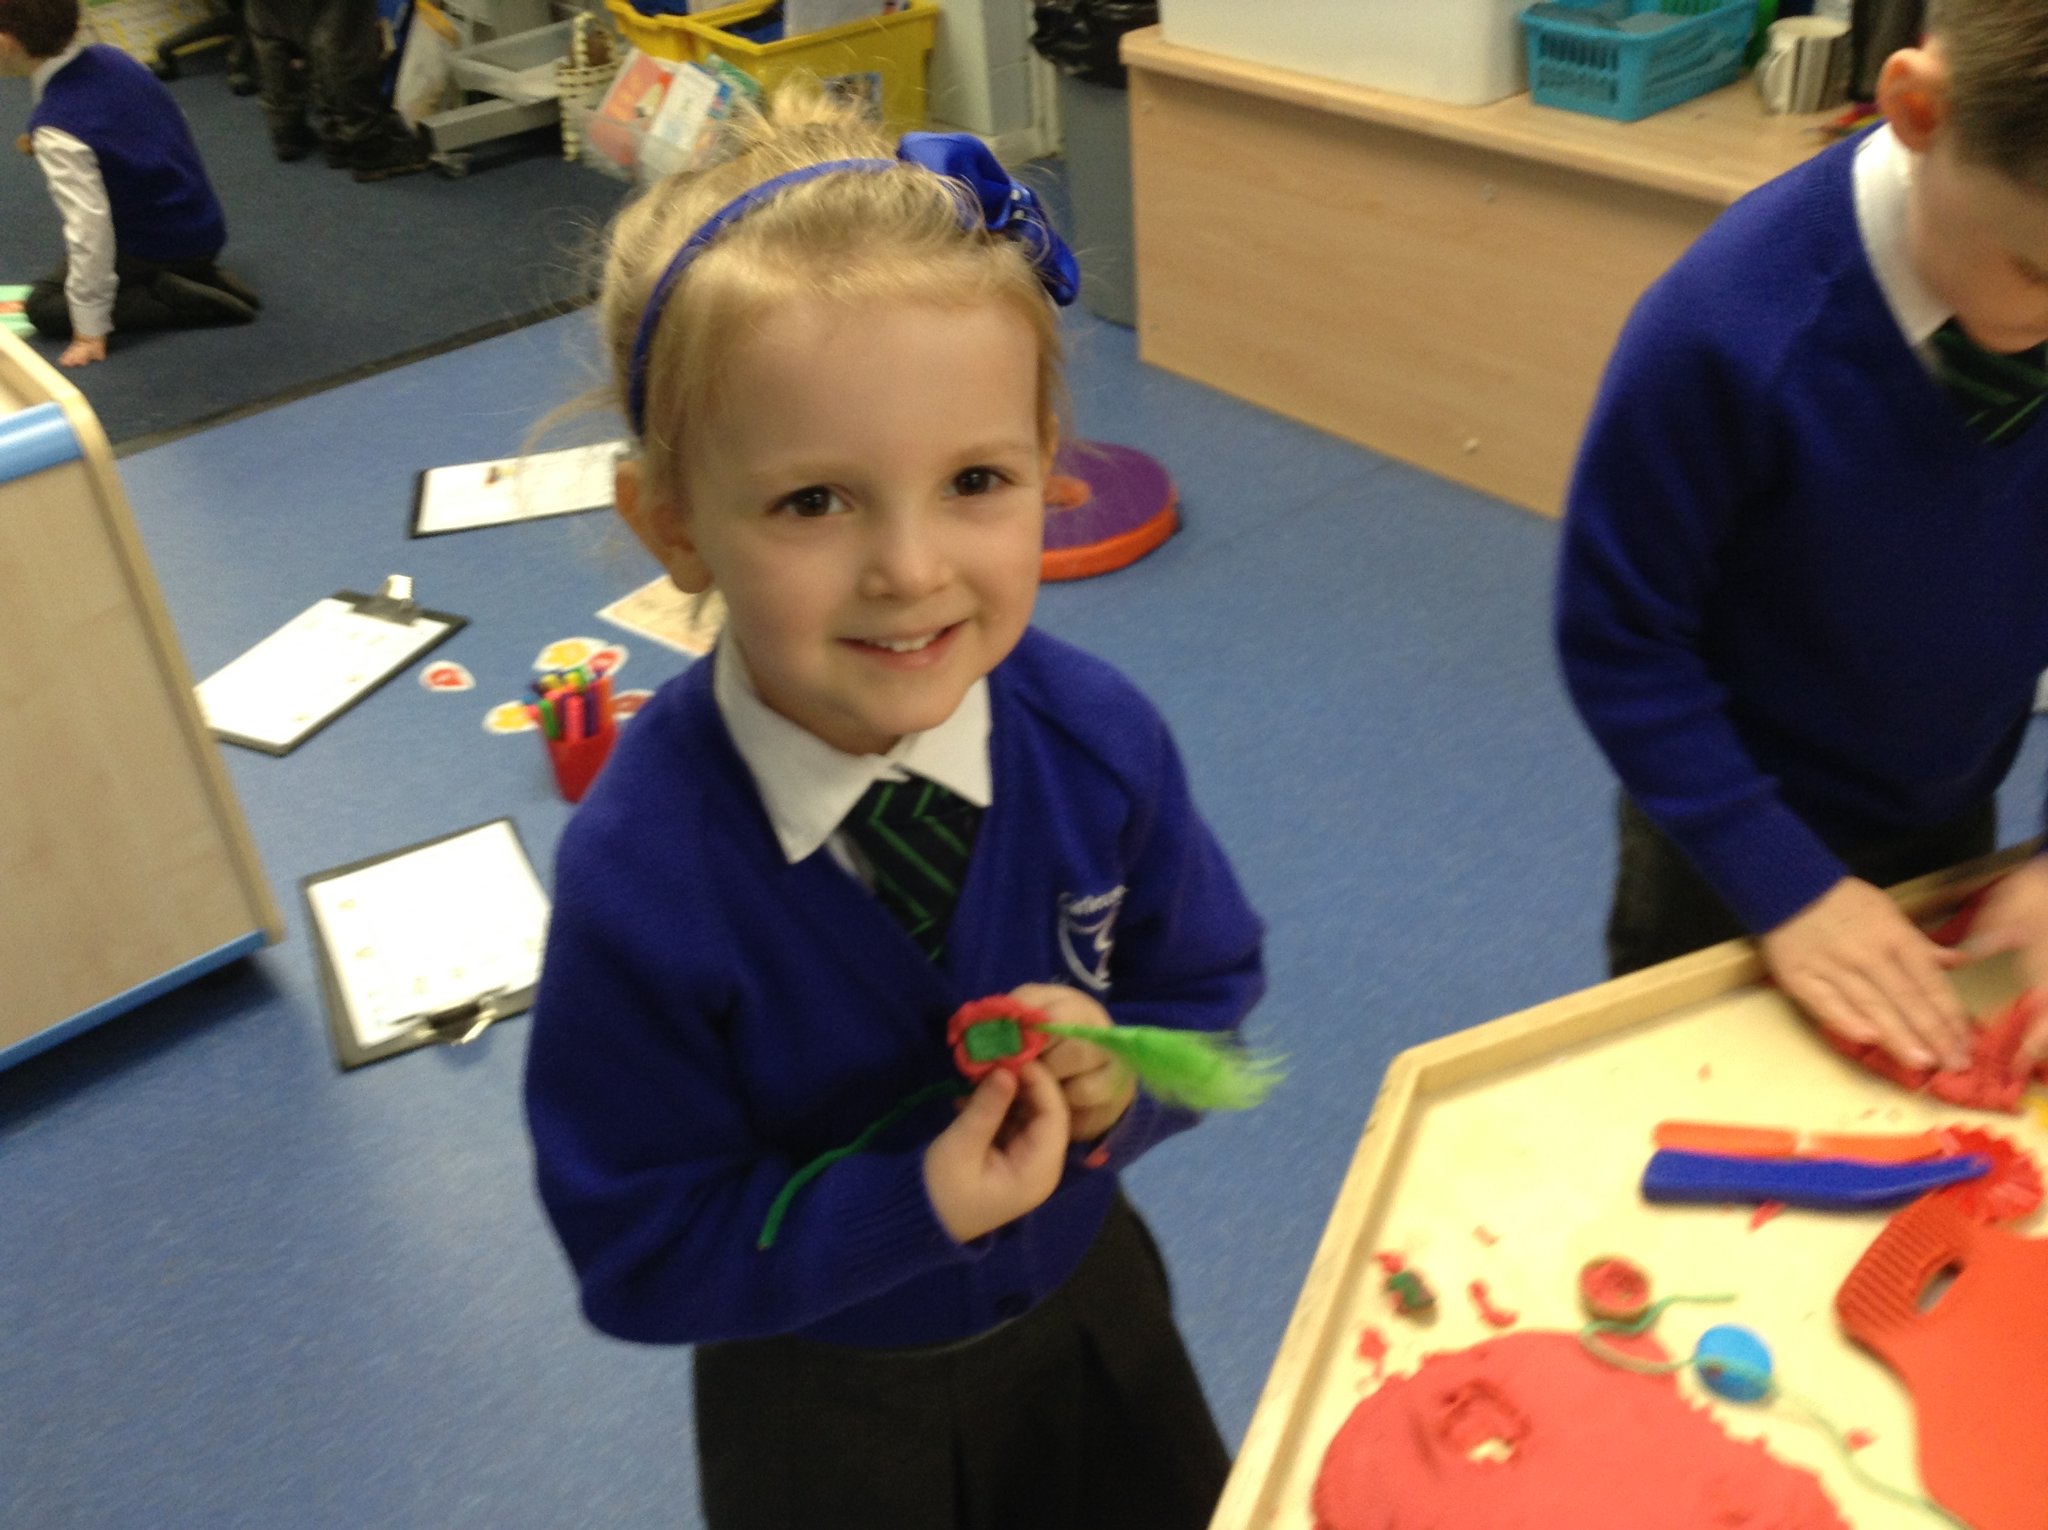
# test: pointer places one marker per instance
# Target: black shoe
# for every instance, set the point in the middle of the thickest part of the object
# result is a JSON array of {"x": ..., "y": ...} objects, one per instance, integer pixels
[
  {"x": 292, "y": 143},
  {"x": 339, "y": 156},
  {"x": 234, "y": 286},
  {"x": 193, "y": 302},
  {"x": 384, "y": 155}
]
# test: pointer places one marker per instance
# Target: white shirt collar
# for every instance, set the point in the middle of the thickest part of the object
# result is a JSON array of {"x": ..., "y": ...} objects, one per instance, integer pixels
[
  {"x": 1884, "y": 178},
  {"x": 808, "y": 786},
  {"x": 40, "y": 75}
]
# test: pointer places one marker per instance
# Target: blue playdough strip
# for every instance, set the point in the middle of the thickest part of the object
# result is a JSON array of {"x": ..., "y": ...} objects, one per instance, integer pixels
[{"x": 1825, "y": 1184}]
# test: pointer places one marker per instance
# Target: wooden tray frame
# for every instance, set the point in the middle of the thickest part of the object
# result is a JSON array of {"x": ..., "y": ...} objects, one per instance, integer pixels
[{"x": 1316, "y": 1340}]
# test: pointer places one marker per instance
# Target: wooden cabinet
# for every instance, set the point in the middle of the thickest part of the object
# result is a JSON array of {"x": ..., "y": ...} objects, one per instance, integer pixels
[
  {"x": 125, "y": 865},
  {"x": 1440, "y": 283}
]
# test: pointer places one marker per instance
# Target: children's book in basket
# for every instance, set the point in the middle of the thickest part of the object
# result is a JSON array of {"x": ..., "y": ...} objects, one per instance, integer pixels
[{"x": 613, "y": 135}]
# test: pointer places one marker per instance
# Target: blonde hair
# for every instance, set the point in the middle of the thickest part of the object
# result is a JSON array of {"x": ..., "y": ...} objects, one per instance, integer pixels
[
  {"x": 1997, "y": 57},
  {"x": 854, "y": 238}
]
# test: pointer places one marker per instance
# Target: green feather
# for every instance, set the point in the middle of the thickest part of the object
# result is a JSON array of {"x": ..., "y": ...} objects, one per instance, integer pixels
[{"x": 1199, "y": 1069}]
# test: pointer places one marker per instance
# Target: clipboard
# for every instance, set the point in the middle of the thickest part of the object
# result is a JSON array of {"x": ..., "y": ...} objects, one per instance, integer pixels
[
  {"x": 470, "y": 495},
  {"x": 323, "y": 661},
  {"x": 431, "y": 943}
]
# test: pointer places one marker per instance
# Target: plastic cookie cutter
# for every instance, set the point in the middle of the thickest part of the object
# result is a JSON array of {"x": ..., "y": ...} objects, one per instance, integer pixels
[{"x": 1822, "y": 1184}]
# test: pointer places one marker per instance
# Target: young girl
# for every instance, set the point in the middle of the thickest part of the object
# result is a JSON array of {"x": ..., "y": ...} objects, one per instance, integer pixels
[{"x": 881, "y": 797}]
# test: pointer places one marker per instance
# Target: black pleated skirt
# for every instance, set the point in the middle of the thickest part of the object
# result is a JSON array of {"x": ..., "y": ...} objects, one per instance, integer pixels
[{"x": 1083, "y": 1413}]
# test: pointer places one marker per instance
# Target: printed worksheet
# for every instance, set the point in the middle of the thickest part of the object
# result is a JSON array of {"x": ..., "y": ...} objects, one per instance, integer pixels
[
  {"x": 474, "y": 494},
  {"x": 427, "y": 930},
  {"x": 315, "y": 667}
]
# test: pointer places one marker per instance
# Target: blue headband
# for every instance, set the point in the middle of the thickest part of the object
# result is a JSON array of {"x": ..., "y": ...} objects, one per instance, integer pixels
[{"x": 988, "y": 199}]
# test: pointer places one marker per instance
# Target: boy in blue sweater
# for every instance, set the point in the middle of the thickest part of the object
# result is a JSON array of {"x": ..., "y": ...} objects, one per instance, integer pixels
[
  {"x": 142, "y": 226},
  {"x": 1803, "y": 597},
  {"x": 882, "y": 796}
]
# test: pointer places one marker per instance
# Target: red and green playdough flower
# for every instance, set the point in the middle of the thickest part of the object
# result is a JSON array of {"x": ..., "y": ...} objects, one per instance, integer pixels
[{"x": 1199, "y": 1070}]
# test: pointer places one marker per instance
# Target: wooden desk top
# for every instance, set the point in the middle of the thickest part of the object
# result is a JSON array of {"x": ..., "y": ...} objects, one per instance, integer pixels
[{"x": 1714, "y": 148}]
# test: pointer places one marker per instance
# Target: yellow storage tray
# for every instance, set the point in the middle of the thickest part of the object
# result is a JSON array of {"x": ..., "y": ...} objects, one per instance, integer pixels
[{"x": 881, "y": 59}]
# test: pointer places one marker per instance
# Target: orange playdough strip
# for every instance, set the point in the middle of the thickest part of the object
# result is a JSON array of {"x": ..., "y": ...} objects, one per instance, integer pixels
[
  {"x": 1875, "y": 1147},
  {"x": 1743, "y": 1141},
  {"x": 1778, "y": 1142}
]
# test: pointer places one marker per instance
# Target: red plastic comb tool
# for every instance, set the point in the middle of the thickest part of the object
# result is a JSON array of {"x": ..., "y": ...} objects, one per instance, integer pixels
[{"x": 1975, "y": 1360}]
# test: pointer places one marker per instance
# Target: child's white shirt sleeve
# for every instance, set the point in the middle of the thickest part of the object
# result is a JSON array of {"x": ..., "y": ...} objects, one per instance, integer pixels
[{"x": 73, "y": 171}]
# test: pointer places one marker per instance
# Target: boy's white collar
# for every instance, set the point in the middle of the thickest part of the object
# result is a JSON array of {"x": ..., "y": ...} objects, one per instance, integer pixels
[
  {"x": 808, "y": 786},
  {"x": 1883, "y": 180},
  {"x": 40, "y": 75}
]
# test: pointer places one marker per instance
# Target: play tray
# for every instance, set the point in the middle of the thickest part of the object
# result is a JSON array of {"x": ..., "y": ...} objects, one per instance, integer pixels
[{"x": 1510, "y": 1154}]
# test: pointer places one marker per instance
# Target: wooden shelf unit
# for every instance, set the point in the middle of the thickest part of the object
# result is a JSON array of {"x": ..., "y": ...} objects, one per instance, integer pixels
[{"x": 1440, "y": 283}]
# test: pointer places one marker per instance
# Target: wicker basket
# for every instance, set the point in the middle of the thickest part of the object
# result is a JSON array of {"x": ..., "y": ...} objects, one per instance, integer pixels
[{"x": 583, "y": 78}]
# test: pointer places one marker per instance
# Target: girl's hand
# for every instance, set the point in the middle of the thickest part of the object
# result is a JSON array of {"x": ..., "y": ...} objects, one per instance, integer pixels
[
  {"x": 2015, "y": 918},
  {"x": 1098, "y": 1088},
  {"x": 1002, "y": 1156},
  {"x": 1862, "y": 969}
]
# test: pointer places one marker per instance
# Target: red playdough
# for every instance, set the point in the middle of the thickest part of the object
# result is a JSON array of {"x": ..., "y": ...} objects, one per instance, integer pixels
[
  {"x": 1495, "y": 1317},
  {"x": 1529, "y": 1432},
  {"x": 1987, "y": 1084},
  {"x": 2008, "y": 1192},
  {"x": 1613, "y": 1290},
  {"x": 1372, "y": 1348}
]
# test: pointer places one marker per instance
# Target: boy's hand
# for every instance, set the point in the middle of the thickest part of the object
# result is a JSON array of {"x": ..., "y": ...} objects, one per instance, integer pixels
[
  {"x": 1098, "y": 1088},
  {"x": 2015, "y": 918},
  {"x": 83, "y": 350},
  {"x": 1859, "y": 966},
  {"x": 1002, "y": 1156}
]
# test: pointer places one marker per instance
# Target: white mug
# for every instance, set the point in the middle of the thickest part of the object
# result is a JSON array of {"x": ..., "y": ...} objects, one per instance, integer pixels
[{"x": 1805, "y": 64}]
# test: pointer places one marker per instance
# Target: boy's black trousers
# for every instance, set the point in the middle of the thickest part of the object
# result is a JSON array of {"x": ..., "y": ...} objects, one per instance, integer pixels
[{"x": 1663, "y": 908}]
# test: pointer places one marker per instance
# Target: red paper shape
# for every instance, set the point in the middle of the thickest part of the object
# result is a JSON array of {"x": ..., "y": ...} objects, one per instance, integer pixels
[
  {"x": 1975, "y": 1360},
  {"x": 1531, "y": 1432}
]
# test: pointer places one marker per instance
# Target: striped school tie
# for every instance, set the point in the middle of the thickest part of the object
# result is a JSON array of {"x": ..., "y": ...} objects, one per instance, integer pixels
[
  {"x": 916, "y": 837},
  {"x": 1998, "y": 394}
]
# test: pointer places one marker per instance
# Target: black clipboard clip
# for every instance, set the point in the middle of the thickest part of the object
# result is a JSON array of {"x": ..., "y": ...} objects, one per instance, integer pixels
[
  {"x": 460, "y": 1024},
  {"x": 393, "y": 603}
]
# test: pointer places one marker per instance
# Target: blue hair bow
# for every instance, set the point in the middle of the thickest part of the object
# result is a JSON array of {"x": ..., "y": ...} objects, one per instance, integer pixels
[
  {"x": 984, "y": 189},
  {"x": 1005, "y": 206}
]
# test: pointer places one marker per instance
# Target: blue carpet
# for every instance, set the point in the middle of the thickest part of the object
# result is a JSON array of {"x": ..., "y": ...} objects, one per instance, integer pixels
[{"x": 351, "y": 276}]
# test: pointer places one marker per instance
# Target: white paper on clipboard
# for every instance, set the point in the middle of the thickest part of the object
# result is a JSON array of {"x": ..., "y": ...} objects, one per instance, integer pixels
[
  {"x": 424, "y": 931},
  {"x": 470, "y": 495},
  {"x": 316, "y": 666}
]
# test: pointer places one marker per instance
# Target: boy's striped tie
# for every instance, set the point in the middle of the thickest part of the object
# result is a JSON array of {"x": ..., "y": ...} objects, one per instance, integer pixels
[
  {"x": 917, "y": 837},
  {"x": 1999, "y": 394}
]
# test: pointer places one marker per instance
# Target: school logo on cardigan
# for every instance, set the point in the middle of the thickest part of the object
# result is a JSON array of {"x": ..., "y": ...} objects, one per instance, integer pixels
[{"x": 1087, "y": 935}]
